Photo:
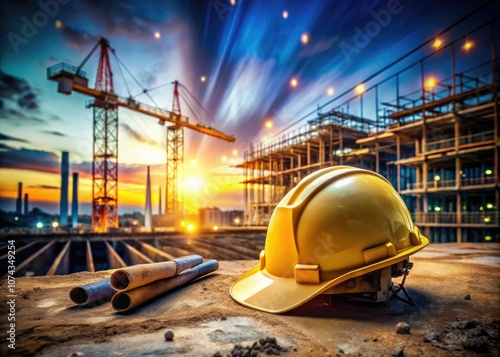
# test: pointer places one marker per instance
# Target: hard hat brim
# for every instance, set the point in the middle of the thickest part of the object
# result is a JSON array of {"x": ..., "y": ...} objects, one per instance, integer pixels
[{"x": 258, "y": 290}]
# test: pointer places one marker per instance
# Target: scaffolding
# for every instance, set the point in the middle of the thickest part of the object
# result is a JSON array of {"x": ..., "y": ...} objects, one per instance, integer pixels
[{"x": 438, "y": 146}]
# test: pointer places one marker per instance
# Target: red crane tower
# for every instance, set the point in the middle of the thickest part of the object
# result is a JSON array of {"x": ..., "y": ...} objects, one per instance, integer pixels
[
  {"x": 105, "y": 158},
  {"x": 175, "y": 160}
]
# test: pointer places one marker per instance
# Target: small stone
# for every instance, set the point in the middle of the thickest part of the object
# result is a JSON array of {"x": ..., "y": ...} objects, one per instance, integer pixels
[
  {"x": 223, "y": 318},
  {"x": 403, "y": 328},
  {"x": 217, "y": 354},
  {"x": 467, "y": 297},
  {"x": 375, "y": 339},
  {"x": 169, "y": 335},
  {"x": 398, "y": 352},
  {"x": 471, "y": 324}
]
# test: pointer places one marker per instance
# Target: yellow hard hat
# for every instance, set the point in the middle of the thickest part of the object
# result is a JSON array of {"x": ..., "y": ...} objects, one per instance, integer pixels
[{"x": 336, "y": 224}]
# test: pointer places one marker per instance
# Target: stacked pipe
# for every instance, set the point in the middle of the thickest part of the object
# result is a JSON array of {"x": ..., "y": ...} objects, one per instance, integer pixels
[{"x": 132, "y": 286}]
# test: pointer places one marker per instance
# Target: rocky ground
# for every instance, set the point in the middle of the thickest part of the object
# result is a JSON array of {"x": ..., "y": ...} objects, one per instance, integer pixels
[{"x": 456, "y": 288}]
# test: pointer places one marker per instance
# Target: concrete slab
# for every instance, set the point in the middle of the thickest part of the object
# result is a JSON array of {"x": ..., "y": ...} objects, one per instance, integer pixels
[{"x": 206, "y": 320}]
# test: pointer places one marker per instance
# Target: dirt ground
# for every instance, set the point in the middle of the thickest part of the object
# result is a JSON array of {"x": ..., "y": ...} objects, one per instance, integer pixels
[{"x": 206, "y": 321}]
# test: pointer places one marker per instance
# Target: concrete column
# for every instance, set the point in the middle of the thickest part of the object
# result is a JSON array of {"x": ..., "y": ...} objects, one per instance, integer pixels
[{"x": 398, "y": 167}]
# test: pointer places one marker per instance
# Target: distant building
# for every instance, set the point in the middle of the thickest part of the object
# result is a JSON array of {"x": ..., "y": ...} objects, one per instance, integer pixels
[
  {"x": 232, "y": 218},
  {"x": 19, "y": 201},
  {"x": 214, "y": 216},
  {"x": 26, "y": 208},
  {"x": 209, "y": 217}
]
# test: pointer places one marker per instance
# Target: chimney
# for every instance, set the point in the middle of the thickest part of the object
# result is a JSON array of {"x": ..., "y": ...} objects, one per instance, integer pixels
[
  {"x": 19, "y": 201},
  {"x": 63, "y": 205},
  {"x": 159, "y": 201},
  {"x": 74, "y": 201},
  {"x": 26, "y": 210},
  {"x": 148, "y": 215}
]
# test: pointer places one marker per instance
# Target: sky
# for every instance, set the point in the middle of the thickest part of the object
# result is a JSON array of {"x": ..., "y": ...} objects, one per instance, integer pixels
[{"x": 238, "y": 59}]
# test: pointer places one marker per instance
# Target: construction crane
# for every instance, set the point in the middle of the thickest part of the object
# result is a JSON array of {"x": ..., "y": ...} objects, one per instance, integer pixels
[
  {"x": 175, "y": 160},
  {"x": 105, "y": 141}
]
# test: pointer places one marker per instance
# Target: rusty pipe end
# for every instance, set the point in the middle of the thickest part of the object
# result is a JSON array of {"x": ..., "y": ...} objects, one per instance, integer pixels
[
  {"x": 120, "y": 302},
  {"x": 120, "y": 280}
]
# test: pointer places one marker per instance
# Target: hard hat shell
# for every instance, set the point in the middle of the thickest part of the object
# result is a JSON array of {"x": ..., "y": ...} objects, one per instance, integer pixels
[{"x": 336, "y": 224}]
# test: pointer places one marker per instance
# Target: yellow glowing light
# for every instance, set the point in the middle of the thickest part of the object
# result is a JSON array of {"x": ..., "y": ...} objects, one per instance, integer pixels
[
  {"x": 430, "y": 83},
  {"x": 488, "y": 238},
  {"x": 489, "y": 205},
  {"x": 190, "y": 227},
  {"x": 235, "y": 152},
  {"x": 269, "y": 124},
  {"x": 215, "y": 228},
  {"x": 360, "y": 89},
  {"x": 55, "y": 224},
  {"x": 224, "y": 158},
  {"x": 285, "y": 14},
  {"x": 59, "y": 24},
  {"x": 232, "y": 2},
  {"x": 487, "y": 219},
  {"x": 237, "y": 220},
  {"x": 481, "y": 208},
  {"x": 294, "y": 83},
  {"x": 330, "y": 91},
  {"x": 183, "y": 223},
  {"x": 437, "y": 43},
  {"x": 193, "y": 163},
  {"x": 157, "y": 34},
  {"x": 304, "y": 38},
  {"x": 437, "y": 178},
  {"x": 488, "y": 172},
  {"x": 193, "y": 184},
  {"x": 203, "y": 78},
  {"x": 437, "y": 209},
  {"x": 468, "y": 45}
]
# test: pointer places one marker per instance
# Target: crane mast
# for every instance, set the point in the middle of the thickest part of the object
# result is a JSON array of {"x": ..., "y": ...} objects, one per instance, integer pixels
[{"x": 175, "y": 160}]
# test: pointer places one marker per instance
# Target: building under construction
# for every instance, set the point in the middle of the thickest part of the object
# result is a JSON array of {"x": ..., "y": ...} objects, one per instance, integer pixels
[{"x": 437, "y": 144}]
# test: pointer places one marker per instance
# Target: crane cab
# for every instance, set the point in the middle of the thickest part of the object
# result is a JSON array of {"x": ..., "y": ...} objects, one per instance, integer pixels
[{"x": 66, "y": 75}]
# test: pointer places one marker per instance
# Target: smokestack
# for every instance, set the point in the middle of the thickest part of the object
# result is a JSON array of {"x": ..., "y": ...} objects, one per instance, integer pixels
[
  {"x": 159, "y": 201},
  {"x": 19, "y": 201},
  {"x": 148, "y": 215},
  {"x": 26, "y": 210},
  {"x": 63, "y": 206},
  {"x": 74, "y": 201}
]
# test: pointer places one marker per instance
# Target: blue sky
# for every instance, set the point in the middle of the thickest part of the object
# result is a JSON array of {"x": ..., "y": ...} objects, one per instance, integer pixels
[{"x": 247, "y": 51}]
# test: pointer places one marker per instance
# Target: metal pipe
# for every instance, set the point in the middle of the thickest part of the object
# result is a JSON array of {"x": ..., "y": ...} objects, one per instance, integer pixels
[
  {"x": 142, "y": 274},
  {"x": 97, "y": 292},
  {"x": 127, "y": 300}
]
